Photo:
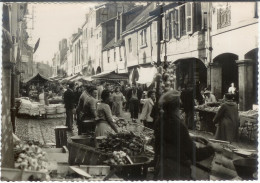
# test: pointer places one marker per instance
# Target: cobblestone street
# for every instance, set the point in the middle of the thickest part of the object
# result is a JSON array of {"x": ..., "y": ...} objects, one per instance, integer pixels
[{"x": 42, "y": 130}]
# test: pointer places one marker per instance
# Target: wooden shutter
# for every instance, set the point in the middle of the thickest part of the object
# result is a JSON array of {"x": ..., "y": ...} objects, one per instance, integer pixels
[
  {"x": 176, "y": 26},
  {"x": 164, "y": 27},
  {"x": 167, "y": 27},
  {"x": 189, "y": 17},
  {"x": 204, "y": 20}
]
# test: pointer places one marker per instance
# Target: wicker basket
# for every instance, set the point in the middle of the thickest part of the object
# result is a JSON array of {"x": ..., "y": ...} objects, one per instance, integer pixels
[{"x": 80, "y": 154}]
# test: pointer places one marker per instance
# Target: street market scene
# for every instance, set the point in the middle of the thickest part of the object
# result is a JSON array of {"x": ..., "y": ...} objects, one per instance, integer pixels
[{"x": 129, "y": 91}]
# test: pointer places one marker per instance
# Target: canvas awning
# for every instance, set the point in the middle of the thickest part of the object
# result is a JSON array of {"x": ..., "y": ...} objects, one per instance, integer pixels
[
  {"x": 110, "y": 75},
  {"x": 37, "y": 78},
  {"x": 68, "y": 78},
  {"x": 146, "y": 75}
]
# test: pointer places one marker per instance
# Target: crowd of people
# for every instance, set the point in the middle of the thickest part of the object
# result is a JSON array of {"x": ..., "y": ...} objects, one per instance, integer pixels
[{"x": 174, "y": 148}]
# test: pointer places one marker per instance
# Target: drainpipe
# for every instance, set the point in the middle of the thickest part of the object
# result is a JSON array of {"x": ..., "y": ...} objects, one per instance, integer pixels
[
  {"x": 209, "y": 38},
  {"x": 13, "y": 109}
]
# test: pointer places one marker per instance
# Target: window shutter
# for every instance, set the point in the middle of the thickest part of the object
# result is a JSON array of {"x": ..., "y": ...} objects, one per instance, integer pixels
[
  {"x": 176, "y": 27},
  {"x": 163, "y": 27},
  {"x": 204, "y": 21},
  {"x": 172, "y": 24},
  {"x": 189, "y": 17},
  {"x": 167, "y": 27}
]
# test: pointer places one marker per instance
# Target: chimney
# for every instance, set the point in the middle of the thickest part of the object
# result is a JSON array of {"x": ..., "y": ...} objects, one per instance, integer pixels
[
  {"x": 117, "y": 28},
  {"x": 122, "y": 24}
]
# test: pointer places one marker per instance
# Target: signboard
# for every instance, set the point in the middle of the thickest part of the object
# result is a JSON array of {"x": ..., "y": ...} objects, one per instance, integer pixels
[{"x": 25, "y": 58}]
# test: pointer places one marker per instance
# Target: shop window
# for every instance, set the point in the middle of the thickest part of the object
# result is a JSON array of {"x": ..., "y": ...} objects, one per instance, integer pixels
[
  {"x": 224, "y": 17},
  {"x": 130, "y": 45}
]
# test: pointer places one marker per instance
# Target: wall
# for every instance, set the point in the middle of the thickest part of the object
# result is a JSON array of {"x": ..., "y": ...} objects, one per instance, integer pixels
[{"x": 229, "y": 39}]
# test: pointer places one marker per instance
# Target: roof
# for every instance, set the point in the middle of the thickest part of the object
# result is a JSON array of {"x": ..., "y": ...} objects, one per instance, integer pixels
[
  {"x": 113, "y": 44},
  {"x": 110, "y": 75},
  {"x": 37, "y": 77},
  {"x": 142, "y": 17}
]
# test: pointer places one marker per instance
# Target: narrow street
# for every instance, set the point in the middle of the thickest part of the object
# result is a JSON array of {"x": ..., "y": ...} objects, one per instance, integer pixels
[{"x": 42, "y": 131}]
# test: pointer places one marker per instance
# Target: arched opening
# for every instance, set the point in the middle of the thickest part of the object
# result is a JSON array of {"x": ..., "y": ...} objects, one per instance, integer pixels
[
  {"x": 192, "y": 72},
  {"x": 98, "y": 70},
  {"x": 229, "y": 74},
  {"x": 253, "y": 55}
]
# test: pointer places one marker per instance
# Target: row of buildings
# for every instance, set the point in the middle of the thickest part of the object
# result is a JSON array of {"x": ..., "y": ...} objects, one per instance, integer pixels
[
  {"x": 210, "y": 43},
  {"x": 16, "y": 57}
]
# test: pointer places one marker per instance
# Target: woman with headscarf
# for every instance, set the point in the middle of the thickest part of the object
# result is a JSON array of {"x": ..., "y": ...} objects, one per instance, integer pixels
[
  {"x": 133, "y": 103},
  {"x": 175, "y": 151},
  {"x": 227, "y": 120},
  {"x": 105, "y": 124}
]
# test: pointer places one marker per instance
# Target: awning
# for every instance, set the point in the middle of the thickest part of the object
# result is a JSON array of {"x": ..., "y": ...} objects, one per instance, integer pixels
[
  {"x": 110, "y": 75},
  {"x": 86, "y": 78},
  {"x": 146, "y": 75},
  {"x": 78, "y": 77},
  {"x": 68, "y": 78},
  {"x": 37, "y": 78}
]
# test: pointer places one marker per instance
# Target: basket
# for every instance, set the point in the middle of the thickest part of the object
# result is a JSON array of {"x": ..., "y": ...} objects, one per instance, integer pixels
[
  {"x": 80, "y": 154},
  {"x": 83, "y": 139},
  {"x": 136, "y": 171}
]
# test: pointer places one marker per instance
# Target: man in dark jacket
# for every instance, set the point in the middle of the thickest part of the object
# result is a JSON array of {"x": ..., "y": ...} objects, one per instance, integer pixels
[{"x": 69, "y": 101}]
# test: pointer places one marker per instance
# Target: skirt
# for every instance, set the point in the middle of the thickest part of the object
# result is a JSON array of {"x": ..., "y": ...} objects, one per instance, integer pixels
[{"x": 103, "y": 129}]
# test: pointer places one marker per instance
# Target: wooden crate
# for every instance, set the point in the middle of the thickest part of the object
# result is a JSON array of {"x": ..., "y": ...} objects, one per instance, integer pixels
[
  {"x": 61, "y": 136},
  {"x": 10, "y": 174},
  {"x": 80, "y": 154}
]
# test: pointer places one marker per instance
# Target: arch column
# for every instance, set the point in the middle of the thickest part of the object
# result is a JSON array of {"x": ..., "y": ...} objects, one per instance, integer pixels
[
  {"x": 245, "y": 78},
  {"x": 216, "y": 79}
]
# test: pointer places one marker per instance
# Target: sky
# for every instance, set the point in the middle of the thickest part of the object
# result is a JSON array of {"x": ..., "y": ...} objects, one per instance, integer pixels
[{"x": 52, "y": 23}]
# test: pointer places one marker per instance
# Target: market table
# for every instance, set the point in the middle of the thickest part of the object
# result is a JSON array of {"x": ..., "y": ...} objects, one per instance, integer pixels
[{"x": 248, "y": 120}]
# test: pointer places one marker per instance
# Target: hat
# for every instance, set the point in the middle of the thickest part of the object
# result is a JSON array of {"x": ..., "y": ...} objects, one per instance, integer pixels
[{"x": 206, "y": 92}]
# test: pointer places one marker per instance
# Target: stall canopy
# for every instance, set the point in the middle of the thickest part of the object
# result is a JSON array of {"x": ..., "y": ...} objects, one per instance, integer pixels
[
  {"x": 37, "y": 78},
  {"x": 69, "y": 78},
  {"x": 110, "y": 75},
  {"x": 146, "y": 75}
]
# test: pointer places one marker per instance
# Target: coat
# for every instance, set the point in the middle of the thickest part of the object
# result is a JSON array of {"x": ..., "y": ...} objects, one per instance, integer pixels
[
  {"x": 174, "y": 149},
  {"x": 147, "y": 110},
  {"x": 69, "y": 99},
  {"x": 228, "y": 122}
]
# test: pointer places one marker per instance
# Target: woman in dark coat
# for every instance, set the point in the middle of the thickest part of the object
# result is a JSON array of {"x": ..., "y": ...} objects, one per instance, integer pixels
[
  {"x": 227, "y": 120},
  {"x": 174, "y": 149}
]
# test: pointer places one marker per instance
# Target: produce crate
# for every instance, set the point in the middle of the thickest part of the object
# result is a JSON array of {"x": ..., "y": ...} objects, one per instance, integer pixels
[
  {"x": 80, "y": 154},
  {"x": 61, "y": 136},
  {"x": 10, "y": 174},
  {"x": 136, "y": 171}
]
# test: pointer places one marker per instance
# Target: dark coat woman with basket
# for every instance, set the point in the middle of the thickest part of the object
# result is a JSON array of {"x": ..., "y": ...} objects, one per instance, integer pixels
[
  {"x": 175, "y": 151},
  {"x": 227, "y": 120}
]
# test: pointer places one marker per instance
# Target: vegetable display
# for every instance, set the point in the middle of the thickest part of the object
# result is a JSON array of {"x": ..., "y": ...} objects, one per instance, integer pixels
[
  {"x": 30, "y": 157},
  {"x": 128, "y": 142}
]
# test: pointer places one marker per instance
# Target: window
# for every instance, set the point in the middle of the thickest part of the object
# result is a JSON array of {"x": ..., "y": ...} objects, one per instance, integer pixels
[
  {"x": 86, "y": 33},
  {"x": 130, "y": 44},
  {"x": 97, "y": 36},
  {"x": 114, "y": 55},
  {"x": 91, "y": 34},
  {"x": 108, "y": 56},
  {"x": 120, "y": 56},
  {"x": 143, "y": 37},
  {"x": 224, "y": 17}
]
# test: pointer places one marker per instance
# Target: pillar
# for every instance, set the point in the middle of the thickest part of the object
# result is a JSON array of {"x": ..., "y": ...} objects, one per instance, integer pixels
[
  {"x": 245, "y": 80},
  {"x": 216, "y": 79}
]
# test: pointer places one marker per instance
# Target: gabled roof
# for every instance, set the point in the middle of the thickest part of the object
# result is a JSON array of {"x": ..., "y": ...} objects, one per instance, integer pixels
[{"x": 142, "y": 17}]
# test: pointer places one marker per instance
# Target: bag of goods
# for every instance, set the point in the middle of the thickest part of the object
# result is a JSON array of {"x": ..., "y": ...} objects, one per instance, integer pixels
[
  {"x": 60, "y": 109},
  {"x": 51, "y": 109}
]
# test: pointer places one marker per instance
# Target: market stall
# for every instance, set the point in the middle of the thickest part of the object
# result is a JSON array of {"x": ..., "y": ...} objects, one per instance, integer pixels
[
  {"x": 110, "y": 75},
  {"x": 28, "y": 108},
  {"x": 248, "y": 120}
]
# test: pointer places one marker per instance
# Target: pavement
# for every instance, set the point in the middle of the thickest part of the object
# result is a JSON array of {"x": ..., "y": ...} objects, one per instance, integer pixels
[{"x": 42, "y": 131}]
